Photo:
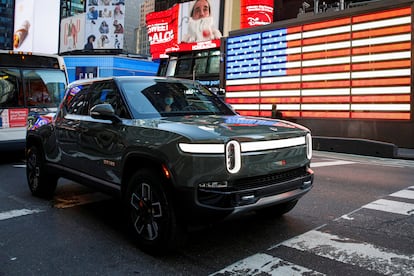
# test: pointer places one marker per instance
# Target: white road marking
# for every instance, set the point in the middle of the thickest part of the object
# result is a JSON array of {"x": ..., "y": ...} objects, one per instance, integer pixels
[
  {"x": 347, "y": 217},
  {"x": 264, "y": 264},
  {"x": 404, "y": 194},
  {"x": 369, "y": 160},
  {"x": 348, "y": 251},
  {"x": 18, "y": 213},
  {"x": 391, "y": 206},
  {"x": 330, "y": 163},
  {"x": 340, "y": 249}
]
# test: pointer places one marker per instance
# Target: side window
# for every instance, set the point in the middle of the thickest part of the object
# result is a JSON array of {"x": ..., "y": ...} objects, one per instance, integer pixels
[
  {"x": 183, "y": 67},
  {"x": 9, "y": 88},
  {"x": 76, "y": 100},
  {"x": 214, "y": 63},
  {"x": 43, "y": 87},
  {"x": 107, "y": 92}
]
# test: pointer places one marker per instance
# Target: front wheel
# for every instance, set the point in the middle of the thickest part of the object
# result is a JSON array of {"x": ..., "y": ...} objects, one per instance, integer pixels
[
  {"x": 151, "y": 213},
  {"x": 41, "y": 183}
]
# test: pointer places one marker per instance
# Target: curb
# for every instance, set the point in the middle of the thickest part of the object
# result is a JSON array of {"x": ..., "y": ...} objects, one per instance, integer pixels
[{"x": 361, "y": 147}]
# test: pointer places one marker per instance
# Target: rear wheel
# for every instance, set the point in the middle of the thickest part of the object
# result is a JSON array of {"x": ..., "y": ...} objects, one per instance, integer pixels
[
  {"x": 151, "y": 213},
  {"x": 41, "y": 183},
  {"x": 278, "y": 210}
]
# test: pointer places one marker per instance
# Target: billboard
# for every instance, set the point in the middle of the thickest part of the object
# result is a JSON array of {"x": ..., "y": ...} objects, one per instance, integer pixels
[
  {"x": 184, "y": 27},
  {"x": 72, "y": 33},
  {"x": 256, "y": 13},
  {"x": 36, "y": 27},
  {"x": 354, "y": 67},
  {"x": 104, "y": 25}
]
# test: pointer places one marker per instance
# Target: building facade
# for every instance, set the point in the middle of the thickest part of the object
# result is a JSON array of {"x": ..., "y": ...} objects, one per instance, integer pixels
[{"x": 6, "y": 24}]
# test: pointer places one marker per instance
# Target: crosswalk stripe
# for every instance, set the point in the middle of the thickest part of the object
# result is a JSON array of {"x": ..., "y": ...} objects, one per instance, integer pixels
[
  {"x": 404, "y": 194},
  {"x": 391, "y": 206},
  {"x": 265, "y": 264},
  {"x": 348, "y": 251},
  {"x": 330, "y": 163},
  {"x": 341, "y": 249}
]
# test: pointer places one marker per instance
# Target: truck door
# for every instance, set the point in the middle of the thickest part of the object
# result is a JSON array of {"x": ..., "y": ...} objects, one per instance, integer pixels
[{"x": 102, "y": 141}]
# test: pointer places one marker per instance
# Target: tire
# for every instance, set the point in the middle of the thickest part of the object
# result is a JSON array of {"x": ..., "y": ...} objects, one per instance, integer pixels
[
  {"x": 151, "y": 213},
  {"x": 278, "y": 210},
  {"x": 41, "y": 183}
]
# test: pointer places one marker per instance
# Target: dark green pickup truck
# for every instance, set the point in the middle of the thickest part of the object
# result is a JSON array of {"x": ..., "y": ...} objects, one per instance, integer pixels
[{"x": 172, "y": 150}]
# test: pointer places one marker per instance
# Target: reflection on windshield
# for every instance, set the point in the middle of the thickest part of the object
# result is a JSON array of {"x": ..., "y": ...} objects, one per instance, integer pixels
[
  {"x": 9, "y": 88},
  {"x": 172, "y": 98}
]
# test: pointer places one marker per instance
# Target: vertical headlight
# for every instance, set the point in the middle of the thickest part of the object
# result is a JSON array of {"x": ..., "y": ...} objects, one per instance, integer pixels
[
  {"x": 309, "y": 146},
  {"x": 233, "y": 157}
]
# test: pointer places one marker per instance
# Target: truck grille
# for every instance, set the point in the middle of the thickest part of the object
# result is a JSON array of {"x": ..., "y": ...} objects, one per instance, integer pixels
[{"x": 266, "y": 180}]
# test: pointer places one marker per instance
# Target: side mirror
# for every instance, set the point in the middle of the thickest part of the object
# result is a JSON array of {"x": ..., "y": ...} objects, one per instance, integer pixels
[{"x": 104, "y": 112}]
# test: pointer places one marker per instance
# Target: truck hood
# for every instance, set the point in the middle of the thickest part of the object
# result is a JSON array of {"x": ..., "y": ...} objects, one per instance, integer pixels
[{"x": 222, "y": 128}]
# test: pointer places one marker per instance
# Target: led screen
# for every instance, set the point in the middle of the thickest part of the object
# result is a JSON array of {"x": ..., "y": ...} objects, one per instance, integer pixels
[
  {"x": 185, "y": 27},
  {"x": 355, "y": 67},
  {"x": 36, "y": 27}
]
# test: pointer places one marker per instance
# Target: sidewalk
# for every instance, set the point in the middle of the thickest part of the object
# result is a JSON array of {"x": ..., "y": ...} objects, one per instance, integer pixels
[
  {"x": 361, "y": 147},
  {"x": 405, "y": 154}
]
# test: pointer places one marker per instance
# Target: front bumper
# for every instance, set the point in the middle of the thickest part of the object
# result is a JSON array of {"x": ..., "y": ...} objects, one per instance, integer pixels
[{"x": 257, "y": 192}]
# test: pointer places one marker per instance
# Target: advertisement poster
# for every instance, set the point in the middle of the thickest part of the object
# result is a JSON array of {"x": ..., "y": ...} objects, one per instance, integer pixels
[
  {"x": 104, "y": 26},
  {"x": 72, "y": 33},
  {"x": 256, "y": 13},
  {"x": 36, "y": 27},
  {"x": 13, "y": 117},
  {"x": 185, "y": 27}
]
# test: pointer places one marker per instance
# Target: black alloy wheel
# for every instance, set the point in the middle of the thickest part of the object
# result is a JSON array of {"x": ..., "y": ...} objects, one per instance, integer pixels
[
  {"x": 40, "y": 183},
  {"x": 151, "y": 213}
]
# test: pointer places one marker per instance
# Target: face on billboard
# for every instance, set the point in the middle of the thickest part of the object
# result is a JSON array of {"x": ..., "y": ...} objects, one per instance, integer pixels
[
  {"x": 185, "y": 27},
  {"x": 199, "y": 21}
]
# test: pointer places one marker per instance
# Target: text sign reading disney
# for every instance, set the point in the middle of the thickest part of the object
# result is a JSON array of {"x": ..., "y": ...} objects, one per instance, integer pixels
[{"x": 256, "y": 13}]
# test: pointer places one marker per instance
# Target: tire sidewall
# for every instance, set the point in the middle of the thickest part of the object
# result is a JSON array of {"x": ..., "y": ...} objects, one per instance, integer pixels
[
  {"x": 166, "y": 240},
  {"x": 33, "y": 152},
  {"x": 46, "y": 182}
]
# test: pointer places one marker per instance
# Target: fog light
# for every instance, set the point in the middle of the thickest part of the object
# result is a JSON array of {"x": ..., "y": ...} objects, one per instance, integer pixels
[
  {"x": 247, "y": 197},
  {"x": 213, "y": 184}
]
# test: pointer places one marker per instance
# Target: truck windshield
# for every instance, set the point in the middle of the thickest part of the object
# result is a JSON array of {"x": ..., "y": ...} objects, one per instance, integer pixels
[{"x": 165, "y": 98}]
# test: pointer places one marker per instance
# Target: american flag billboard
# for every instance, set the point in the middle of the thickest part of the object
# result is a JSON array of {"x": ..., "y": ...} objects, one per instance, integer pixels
[{"x": 353, "y": 67}]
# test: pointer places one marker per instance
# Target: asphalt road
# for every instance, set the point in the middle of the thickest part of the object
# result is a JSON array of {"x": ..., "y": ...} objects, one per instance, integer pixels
[{"x": 357, "y": 220}]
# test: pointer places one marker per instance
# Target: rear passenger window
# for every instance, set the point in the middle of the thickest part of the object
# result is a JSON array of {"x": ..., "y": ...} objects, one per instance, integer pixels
[{"x": 77, "y": 100}]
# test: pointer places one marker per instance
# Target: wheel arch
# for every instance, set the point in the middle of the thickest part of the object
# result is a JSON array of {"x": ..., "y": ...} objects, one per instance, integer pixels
[
  {"x": 135, "y": 161},
  {"x": 33, "y": 140}
]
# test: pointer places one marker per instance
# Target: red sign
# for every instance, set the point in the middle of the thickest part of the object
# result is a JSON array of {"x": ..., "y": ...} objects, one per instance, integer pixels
[
  {"x": 162, "y": 30},
  {"x": 18, "y": 117},
  {"x": 181, "y": 28},
  {"x": 256, "y": 13}
]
